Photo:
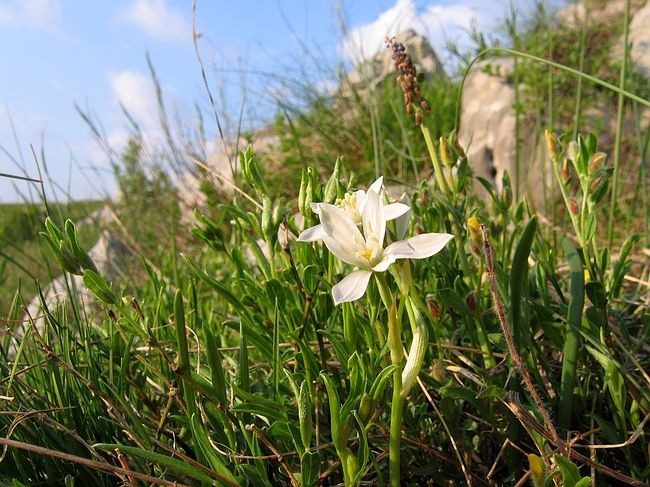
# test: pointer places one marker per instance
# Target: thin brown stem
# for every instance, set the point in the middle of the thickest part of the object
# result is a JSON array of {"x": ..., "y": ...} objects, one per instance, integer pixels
[
  {"x": 516, "y": 358},
  {"x": 278, "y": 455},
  {"x": 106, "y": 467}
]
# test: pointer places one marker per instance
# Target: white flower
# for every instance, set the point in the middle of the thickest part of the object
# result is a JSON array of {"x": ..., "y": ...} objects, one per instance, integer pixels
[
  {"x": 365, "y": 250},
  {"x": 352, "y": 205}
]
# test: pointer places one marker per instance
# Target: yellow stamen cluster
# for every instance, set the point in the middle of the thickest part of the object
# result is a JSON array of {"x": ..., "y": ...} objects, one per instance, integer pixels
[
  {"x": 348, "y": 205},
  {"x": 373, "y": 251}
]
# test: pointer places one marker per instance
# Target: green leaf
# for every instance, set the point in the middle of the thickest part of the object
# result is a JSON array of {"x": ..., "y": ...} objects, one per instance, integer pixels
[
  {"x": 202, "y": 441},
  {"x": 596, "y": 294},
  {"x": 622, "y": 265},
  {"x": 380, "y": 382},
  {"x": 217, "y": 373},
  {"x": 173, "y": 464},
  {"x": 80, "y": 255},
  {"x": 99, "y": 287},
  {"x": 337, "y": 423},
  {"x": 518, "y": 276},
  {"x": 363, "y": 452},
  {"x": 570, "y": 473},
  {"x": 310, "y": 468},
  {"x": 304, "y": 415},
  {"x": 572, "y": 334}
]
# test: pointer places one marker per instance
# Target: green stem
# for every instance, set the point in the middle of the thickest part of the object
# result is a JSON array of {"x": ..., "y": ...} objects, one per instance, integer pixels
[
  {"x": 396, "y": 412},
  {"x": 397, "y": 404},
  {"x": 437, "y": 167},
  {"x": 619, "y": 128},
  {"x": 384, "y": 291}
]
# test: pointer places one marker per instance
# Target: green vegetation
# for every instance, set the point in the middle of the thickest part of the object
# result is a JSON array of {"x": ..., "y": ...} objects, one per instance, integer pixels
[
  {"x": 22, "y": 258},
  {"x": 513, "y": 350}
]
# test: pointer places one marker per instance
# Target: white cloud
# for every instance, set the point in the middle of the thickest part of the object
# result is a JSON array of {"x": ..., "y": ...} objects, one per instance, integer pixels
[
  {"x": 437, "y": 22},
  {"x": 366, "y": 40},
  {"x": 136, "y": 92},
  {"x": 158, "y": 20},
  {"x": 36, "y": 14}
]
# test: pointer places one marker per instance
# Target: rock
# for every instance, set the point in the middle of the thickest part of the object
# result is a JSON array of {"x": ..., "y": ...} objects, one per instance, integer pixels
[
  {"x": 218, "y": 169},
  {"x": 611, "y": 12},
  {"x": 487, "y": 130},
  {"x": 367, "y": 75}
]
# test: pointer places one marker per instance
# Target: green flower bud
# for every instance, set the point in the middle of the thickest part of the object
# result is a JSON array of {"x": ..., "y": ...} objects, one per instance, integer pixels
[
  {"x": 331, "y": 188},
  {"x": 267, "y": 222}
]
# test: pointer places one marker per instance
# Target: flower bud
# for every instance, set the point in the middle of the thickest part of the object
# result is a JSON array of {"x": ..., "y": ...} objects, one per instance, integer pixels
[
  {"x": 537, "y": 469},
  {"x": 366, "y": 408},
  {"x": 470, "y": 301},
  {"x": 574, "y": 208},
  {"x": 445, "y": 153},
  {"x": 596, "y": 162},
  {"x": 438, "y": 371},
  {"x": 552, "y": 144},
  {"x": 267, "y": 222},
  {"x": 573, "y": 151},
  {"x": 434, "y": 308},
  {"x": 506, "y": 192},
  {"x": 331, "y": 188},
  {"x": 565, "y": 172},
  {"x": 474, "y": 231}
]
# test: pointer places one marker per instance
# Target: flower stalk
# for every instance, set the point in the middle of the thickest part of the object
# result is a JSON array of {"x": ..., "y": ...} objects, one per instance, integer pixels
[{"x": 354, "y": 230}]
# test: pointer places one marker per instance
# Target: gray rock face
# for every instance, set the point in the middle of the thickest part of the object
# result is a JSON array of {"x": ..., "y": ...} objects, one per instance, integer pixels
[
  {"x": 612, "y": 11},
  {"x": 487, "y": 131},
  {"x": 371, "y": 72},
  {"x": 487, "y": 124},
  {"x": 220, "y": 170}
]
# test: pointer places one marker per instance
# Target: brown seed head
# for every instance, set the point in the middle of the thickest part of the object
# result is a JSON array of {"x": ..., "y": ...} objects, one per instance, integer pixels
[{"x": 408, "y": 80}]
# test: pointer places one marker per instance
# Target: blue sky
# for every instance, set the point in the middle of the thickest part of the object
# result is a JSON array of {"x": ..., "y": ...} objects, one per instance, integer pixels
[{"x": 58, "y": 53}]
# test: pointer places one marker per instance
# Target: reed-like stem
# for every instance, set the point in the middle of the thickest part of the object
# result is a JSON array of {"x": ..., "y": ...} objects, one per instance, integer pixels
[
  {"x": 397, "y": 403},
  {"x": 514, "y": 355}
]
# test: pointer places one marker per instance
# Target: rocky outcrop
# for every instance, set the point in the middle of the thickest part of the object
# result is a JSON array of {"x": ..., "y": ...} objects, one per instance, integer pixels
[
  {"x": 488, "y": 118},
  {"x": 488, "y": 127},
  {"x": 219, "y": 171},
  {"x": 371, "y": 72},
  {"x": 611, "y": 12}
]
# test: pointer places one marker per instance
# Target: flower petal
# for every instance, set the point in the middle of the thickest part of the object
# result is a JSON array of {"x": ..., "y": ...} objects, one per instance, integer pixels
[
  {"x": 352, "y": 287},
  {"x": 341, "y": 235},
  {"x": 418, "y": 247},
  {"x": 362, "y": 196},
  {"x": 402, "y": 222},
  {"x": 315, "y": 207},
  {"x": 395, "y": 210},
  {"x": 376, "y": 186},
  {"x": 374, "y": 222},
  {"x": 385, "y": 262},
  {"x": 312, "y": 234}
]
